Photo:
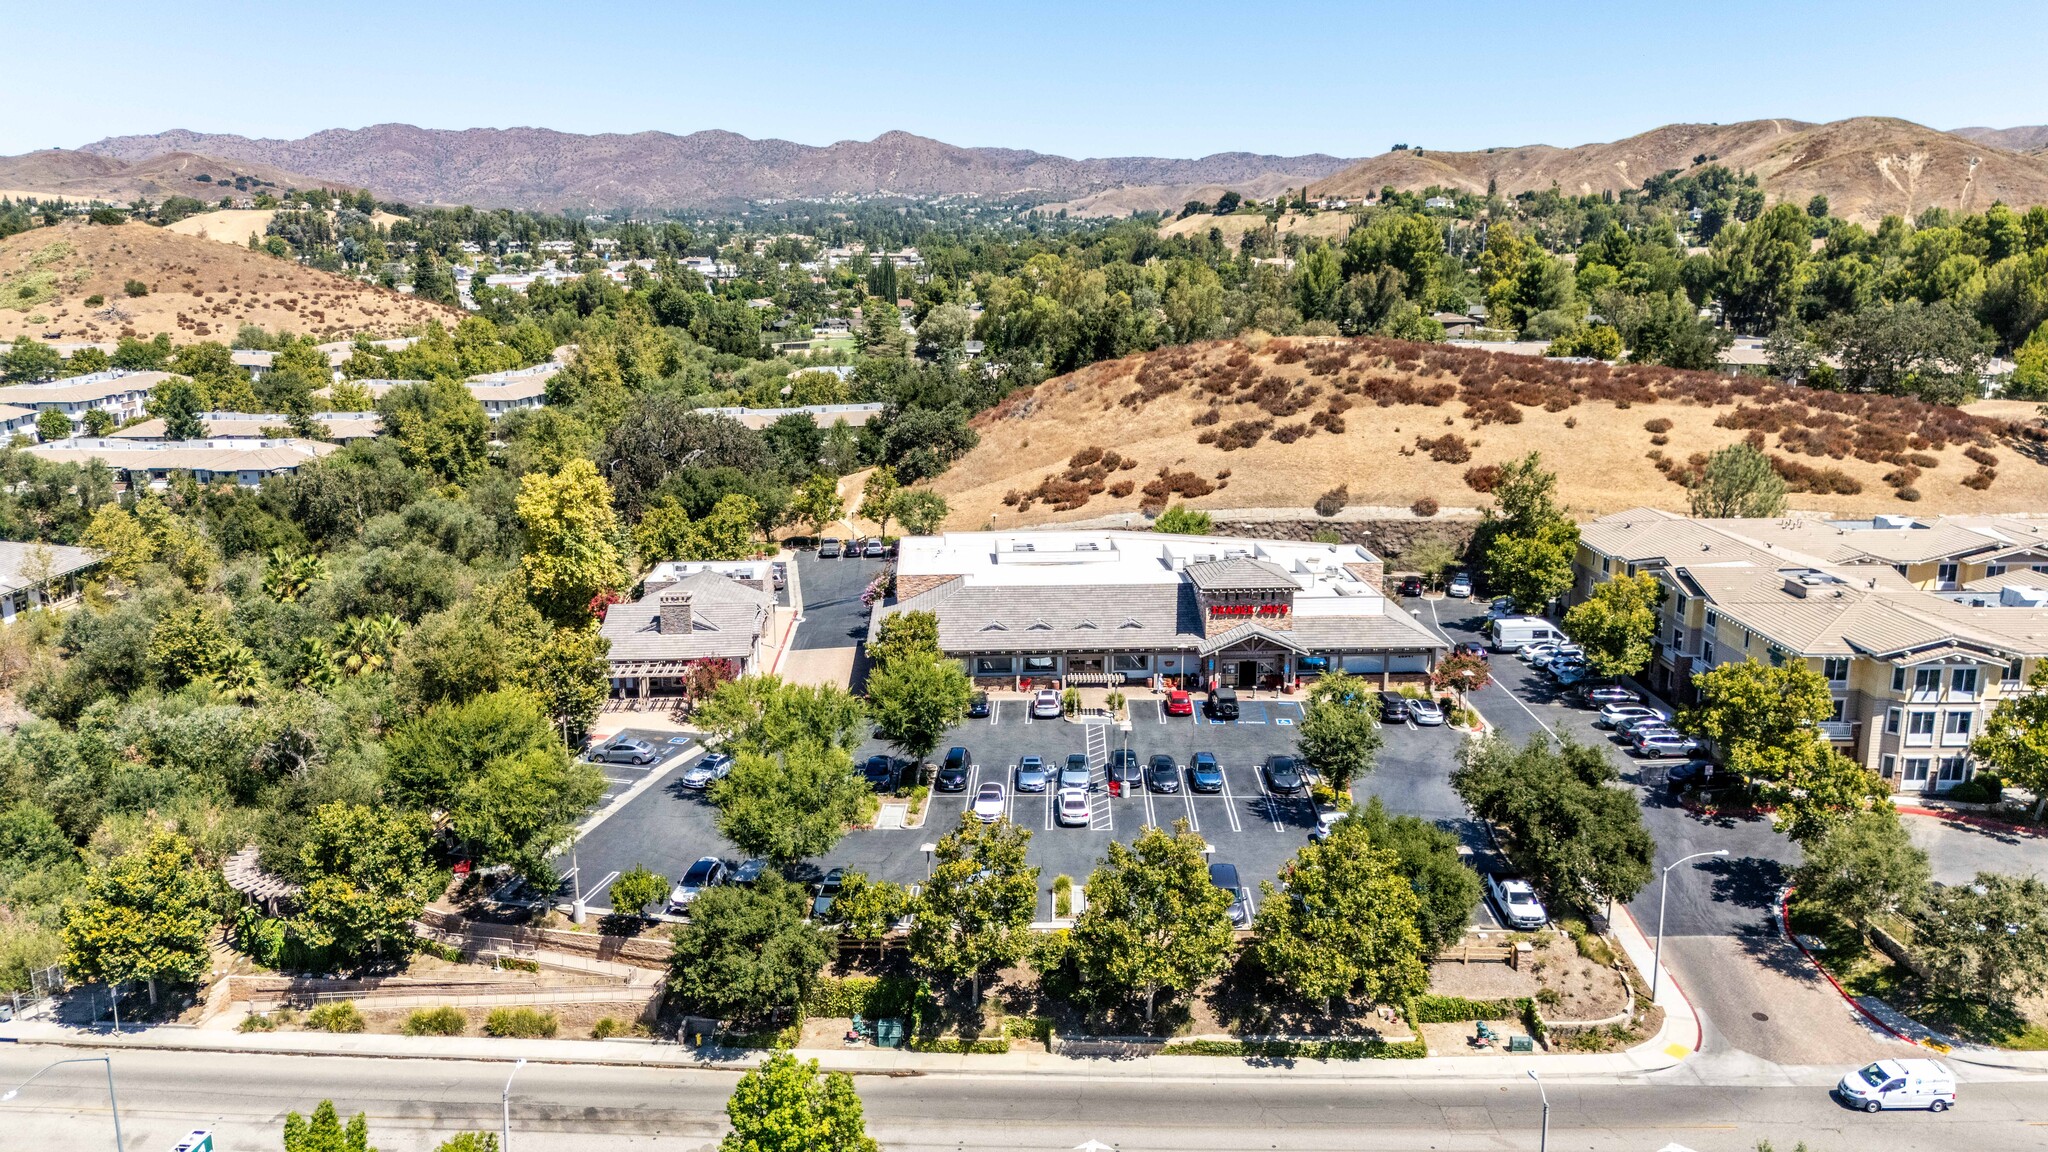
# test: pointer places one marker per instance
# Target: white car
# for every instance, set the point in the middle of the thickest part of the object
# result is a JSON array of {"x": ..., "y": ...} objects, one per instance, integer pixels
[
  {"x": 1425, "y": 713},
  {"x": 1073, "y": 809},
  {"x": 1517, "y": 903},
  {"x": 988, "y": 803},
  {"x": 1899, "y": 1084},
  {"x": 1045, "y": 705},
  {"x": 1536, "y": 654},
  {"x": 1612, "y": 714},
  {"x": 1460, "y": 587},
  {"x": 715, "y": 766}
]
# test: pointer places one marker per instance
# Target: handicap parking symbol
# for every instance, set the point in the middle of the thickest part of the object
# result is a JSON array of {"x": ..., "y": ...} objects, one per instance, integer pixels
[{"x": 1283, "y": 719}]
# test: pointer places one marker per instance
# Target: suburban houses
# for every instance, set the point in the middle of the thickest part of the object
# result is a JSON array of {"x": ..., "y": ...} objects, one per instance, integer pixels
[
  {"x": 41, "y": 575},
  {"x": 140, "y": 464},
  {"x": 342, "y": 427},
  {"x": 1920, "y": 625},
  {"x": 119, "y": 394}
]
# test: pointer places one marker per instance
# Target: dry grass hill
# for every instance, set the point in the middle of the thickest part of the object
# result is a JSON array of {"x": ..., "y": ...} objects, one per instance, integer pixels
[
  {"x": 86, "y": 176},
  {"x": 1868, "y": 167},
  {"x": 197, "y": 289},
  {"x": 2029, "y": 138},
  {"x": 1277, "y": 423},
  {"x": 1333, "y": 225}
]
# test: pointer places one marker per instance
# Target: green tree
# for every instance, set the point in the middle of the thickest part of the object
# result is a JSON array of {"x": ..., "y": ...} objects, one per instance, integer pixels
[
  {"x": 52, "y": 425},
  {"x": 1758, "y": 266},
  {"x": 867, "y": 909},
  {"x": 439, "y": 426},
  {"x": 975, "y": 911},
  {"x": 469, "y": 1142},
  {"x": 367, "y": 878},
  {"x": 29, "y": 361},
  {"x": 764, "y": 714},
  {"x": 1532, "y": 568},
  {"x": 1987, "y": 939},
  {"x": 1617, "y": 623},
  {"x": 790, "y": 803},
  {"x": 915, "y": 701},
  {"x": 817, "y": 502},
  {"x": 1339, "y": 734},
  {"x": 569, "y": 675},
  {"x": 178, "y": 402},
  {"x": 1813, "y": 789},
  {"x": 290, "y": 574},
  {"x": 635, "y": 889},
  {"x": 1348, "y": 923},
  {"x": 1576, "y": 834},
  {"x": 1184, "y": 521},
  {"x": 123, "y": 543},
  {"x": 1864, "y": 868},
  {"x": 1738, "y": 482},
  {"x": 99, "y": 422},
  {"x": 325, "y": 1132},
  {"x": 2015, "y": 739},
  {"x": 747, "y": 950},
  {"x": 1936, "y": 352},
  {"x": 666, "y": 533},
  {"x": 787, "y": 1106},
  {"x": 143, "y": 916},
  {"x": 1154, "y": 922},
  {"x": 728, "y": 532},
  {"x": 1817, "y": 207},
  {"x": 921, "y": 510},
  {"x": 573, "y": 539},
  {"x": 878, "y": 497},
  {"x": 1751, "y": 709},
  {"x": 1427, "y": 857},
  {"x": 906, "y": 636},
  {"x": 1432, "y": 556}
]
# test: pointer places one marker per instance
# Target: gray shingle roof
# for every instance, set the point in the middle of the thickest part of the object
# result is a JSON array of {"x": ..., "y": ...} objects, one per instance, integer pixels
[
  {"x": 726, "y": 622},
  {"x": 1240, "y": 573},
  {"x": 1055, "y": 618}
]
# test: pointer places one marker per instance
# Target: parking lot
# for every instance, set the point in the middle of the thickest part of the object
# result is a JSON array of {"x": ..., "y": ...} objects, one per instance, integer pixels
[{"x": 666, "y": 827}]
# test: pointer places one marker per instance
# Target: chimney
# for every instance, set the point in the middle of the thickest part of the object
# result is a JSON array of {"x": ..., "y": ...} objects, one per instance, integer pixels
[{"x": 675, "y": 614}]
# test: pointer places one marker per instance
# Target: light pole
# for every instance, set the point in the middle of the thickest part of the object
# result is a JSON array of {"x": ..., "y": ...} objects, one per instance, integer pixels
[
  {"x": 505, "y": 1102},
  {"x": 112, "y": 1105},
  {"x": 1544, "y": 1146},
  {"x": 1664, "y": 885}
]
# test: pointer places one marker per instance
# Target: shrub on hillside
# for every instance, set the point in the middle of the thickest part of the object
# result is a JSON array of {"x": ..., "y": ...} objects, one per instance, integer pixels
[
  {"x": 1424, "y": 507},
  {"x": 1482, "y": 477},
  {"x": 1660, "y": 425},
  {"x": 336, "y": 1016},
  {"x": 1332, "y": 502},
  {"x": 520, "y": 1023},
  {"x": 443, "y": 1021}
]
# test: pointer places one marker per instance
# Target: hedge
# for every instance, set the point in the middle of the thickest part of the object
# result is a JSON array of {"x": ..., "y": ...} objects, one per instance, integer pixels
[
  {"x": 1302, "y": 1049},
  {"x": 872, "y": 997},
  {"x": 1456, "y": 1009},
  {"x": 958, "y": 1046}
]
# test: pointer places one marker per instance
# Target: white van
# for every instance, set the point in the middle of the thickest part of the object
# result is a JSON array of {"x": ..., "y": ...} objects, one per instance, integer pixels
[
  {"x": 1899, "y": 1084},
  {"x": 1514, "y": 633}
]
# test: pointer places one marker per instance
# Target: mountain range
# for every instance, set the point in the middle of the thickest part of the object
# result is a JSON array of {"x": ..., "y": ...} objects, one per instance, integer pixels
[{"x": 85, "y": 176}]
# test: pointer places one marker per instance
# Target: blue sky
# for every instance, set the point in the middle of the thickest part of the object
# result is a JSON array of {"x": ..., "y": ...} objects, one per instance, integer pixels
[{"x": 1080, "y": 79}]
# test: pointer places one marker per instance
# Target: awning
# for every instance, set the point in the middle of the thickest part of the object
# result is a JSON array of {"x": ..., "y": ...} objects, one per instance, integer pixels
[{"x": 1250, "y": 633}]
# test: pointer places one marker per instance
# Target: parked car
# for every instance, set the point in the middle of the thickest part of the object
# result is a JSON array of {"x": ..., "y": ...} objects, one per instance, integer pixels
[
  {"x": 1123, "y": 769},
  {"x": 1162, "y": 774},
  {"x": 1662, "y": 743},
  {"x": 855, "y": 549},
  {"x": 1204, "y": 774},
  {"x": 1501, "y": 606},
  {"x": 1568, "y": 672},
  {"x": 1691, "y": 774},
  {"x": 1326, "y": 819},
  {"x": 881, "y": 772},
  {"x": 1648, "y": 718},
  {"x": 828, "y": 548},
  {"x": 1283, "y": 775},
  {"x": 625, "y": 750},
  {"x": 989, "y": 802},
  {"x": 1516, "y": 902},
  {"x": 1518, "y": 633},
  {"x": 1393, "y": 708},
  {"x": 1179, "y": 703},
  {"x": 1076, "y": 774},
  {"x": 1031, "y": 775},
  {"x": 1411, "y": 586},
  {"x": 1537, "y": 655},
  {"x": 1223, "y": 704},
  {"x": 1460, "y": 586},
  {"x": 1045, "y": 705},
  {"x": 748, "y": 871},
  {"x": 708, "y": 770},
  {"x": 1073, "y": 808},
  {"x": 1899, "y": 1084},
  {"x": 1600, "y": 695},
  {"x": 1472, "y": 648},
  {"x": 952, "y": 773},
  {"x": 1224, "y": 876},
  {"x": 874, "y": 549},
  {"x": 827, "y": 891},
  {"x": 1425, "y": 713},
  {"x": 978, "y": 706},
  {"x": 1613, "y": 714},
  {"x": 708, "y": 872}
]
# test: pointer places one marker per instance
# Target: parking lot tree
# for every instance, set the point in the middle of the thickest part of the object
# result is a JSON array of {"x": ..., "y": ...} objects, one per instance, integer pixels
[
  {"x": 817, "y": 502},
  {"x": 1987, "y": 939},
  {"x": 573, "y": 539},
  {"x": 1339, "y": 733},
  {"x": 144, "y": 915},
  {"x": 789, "y": 804},
  {"x": 1154, "y": 922},
  {"x": 1431, "y": 556},
  {"x": 921, "y": 510},
  {"x": 786, "y": 1105},
  {"x": 1427, "y": 856},
  {"x": 916, "y": 699},
  {"x": 1348, "y": 923},
  {"x": 1738, "y": 481},
  {"x": 1865, "y": 867},
  {"x": 1811, "y": 788},
  {"x": 1532, "y": 568},
  {"x": 635, "y": 889},
  {"x": 867, "y": 908},
  {"x": 1184, "y": 521},
  {"x": 878, "y": 497},
  {"x": 975, "y": 911},
  {"x": 367, "y": 875},
  {"x": 568, "y": 674},
  {"x": 1577, "y": 834},
  {"x": 765, "y": 714},
  {"x": 1750, "y": 709},
  {"x": 747, "y": 950},
  {"x": 2015, "y": 739},
  {"x": 905, "y": 634},
  {"x": 1462, "y": 672},
  {"x": 1617, "y": 623}
]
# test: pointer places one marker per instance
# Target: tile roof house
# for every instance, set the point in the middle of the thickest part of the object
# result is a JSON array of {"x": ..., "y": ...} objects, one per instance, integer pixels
[{"x": 702, "y": 617}]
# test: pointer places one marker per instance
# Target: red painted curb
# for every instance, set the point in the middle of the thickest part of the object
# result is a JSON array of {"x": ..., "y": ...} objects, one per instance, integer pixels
[
  {"x": 1785, "y": 922},
  {"x": 1973, "y": 819}
]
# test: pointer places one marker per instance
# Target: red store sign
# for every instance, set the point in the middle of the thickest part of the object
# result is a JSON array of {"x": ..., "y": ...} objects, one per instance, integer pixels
[{"x": 1247, "y": 609}]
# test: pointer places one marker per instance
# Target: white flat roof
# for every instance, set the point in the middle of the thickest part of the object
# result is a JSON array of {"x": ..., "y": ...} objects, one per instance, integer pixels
[{"x": 1055, "y": 557}]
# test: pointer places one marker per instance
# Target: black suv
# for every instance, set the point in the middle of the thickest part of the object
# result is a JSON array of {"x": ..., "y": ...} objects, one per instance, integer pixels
[
  {"x": 1393, "y": 708},
  {"x": 952, "y": 774},
  {"x": 1223, "y": 704}
]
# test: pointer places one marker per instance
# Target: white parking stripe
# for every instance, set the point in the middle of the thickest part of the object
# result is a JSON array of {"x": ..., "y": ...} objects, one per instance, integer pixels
[
  {"x": 1229, "y": 800},
  {"x": 1151, "y": 818},
  {"x": 1187, "y": 796},
  {"x": 1272, "y": 802},
  {"x": 1051, "y": 788}
]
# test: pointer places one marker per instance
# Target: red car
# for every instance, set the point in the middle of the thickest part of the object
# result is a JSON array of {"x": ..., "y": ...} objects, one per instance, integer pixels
[{"x": 1179, "y": 703}]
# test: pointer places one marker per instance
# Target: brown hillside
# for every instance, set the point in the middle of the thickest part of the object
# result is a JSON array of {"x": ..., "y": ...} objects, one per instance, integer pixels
[
  {"x": 2030, "y": 138},
  {"x": 197, "y": 289},
  {"x": 84, "y": 176},
  {"x": 1868, "y": 167},
  {"x": 1275, "y": 424}
]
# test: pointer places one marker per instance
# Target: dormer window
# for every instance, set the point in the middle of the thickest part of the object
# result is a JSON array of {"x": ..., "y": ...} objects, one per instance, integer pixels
[
  {"x": 1130, "y": 622},
  {"x": 995, "y": 626},
  {"x": 1088, "y": 624},
  {"x": 1039, "y": 626}
]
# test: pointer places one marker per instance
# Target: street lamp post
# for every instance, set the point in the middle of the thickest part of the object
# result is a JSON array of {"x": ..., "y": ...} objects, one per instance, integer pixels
[
  {"x": 505, "y": 1102},
  {"x": 112, "y": 1104},
  {"x": 1663, "y": 886},
  {"x": 1544, "y": 1146}
]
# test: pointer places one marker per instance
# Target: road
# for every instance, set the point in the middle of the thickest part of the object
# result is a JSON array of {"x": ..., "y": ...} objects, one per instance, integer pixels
[{"x": 412, "y": 1105}]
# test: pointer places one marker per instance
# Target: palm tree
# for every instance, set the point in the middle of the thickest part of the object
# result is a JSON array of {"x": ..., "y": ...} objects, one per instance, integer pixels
[
  {"x": 238, "y": 673},
  {"x": 289, "y": 575},
  {"x": 366, "y": 643}
]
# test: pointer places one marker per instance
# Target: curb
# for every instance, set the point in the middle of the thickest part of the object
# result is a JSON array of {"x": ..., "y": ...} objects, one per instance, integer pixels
[
  {"x": 2032, "y": 832},
  {"x": 1785, "y": 927}
]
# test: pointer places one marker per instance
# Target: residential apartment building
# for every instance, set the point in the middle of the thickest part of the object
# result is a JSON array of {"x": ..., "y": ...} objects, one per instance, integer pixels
[
  {"x": 142, "y": 464},
  {"x": 118, "y": 394},
  {"x": 1919, "y": 625}
]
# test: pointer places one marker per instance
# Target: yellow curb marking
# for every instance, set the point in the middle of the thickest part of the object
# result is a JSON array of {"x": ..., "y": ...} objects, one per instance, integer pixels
[{"x": 1677, "y": 1051}]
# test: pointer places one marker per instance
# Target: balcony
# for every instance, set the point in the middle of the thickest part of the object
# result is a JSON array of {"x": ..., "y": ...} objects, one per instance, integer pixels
[{"x": 1837, "y": 731}]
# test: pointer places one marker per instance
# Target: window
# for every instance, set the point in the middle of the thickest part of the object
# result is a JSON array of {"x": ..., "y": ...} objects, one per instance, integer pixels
[
  {"x": 1955, "y": 769},
  {"x": 1916, "y": 769},
  {"x": 1926, "y": 683},
  {"x": 1707, "y": 654},
  {"x": 1898, "y": 679},
  {"x": 1887, "y": 766},
  {"x": 1606, "y": 565},
  {"x": 1713, "y": 619},
  {"x": 994, "y": 665},
  {"x": 1038, "y": 665},
  {"x": 1130, "y": 622},
  {"x": 1891, "y": 722},
  {"x": 1963, "y": 681},
  {"x": 1994, "y": 570},
  {"x": 1836, "y": 715},
  {"x": 995, "y": 626},
  {"x": 1130, "y": 663},
  {"x": 1919, "y": 727},
  {"x": 1836, "y": 669},
  {"x": 1955, "y": 727},
  {"x": 1945, "y": 574}
]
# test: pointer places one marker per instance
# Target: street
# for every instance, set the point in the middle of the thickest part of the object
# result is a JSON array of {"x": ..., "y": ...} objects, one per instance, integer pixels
[{"x": 412, "y": 1105}]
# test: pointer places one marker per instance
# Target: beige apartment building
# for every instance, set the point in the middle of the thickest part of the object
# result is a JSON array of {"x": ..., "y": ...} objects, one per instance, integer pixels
[{"x": 1920, "y": 625}]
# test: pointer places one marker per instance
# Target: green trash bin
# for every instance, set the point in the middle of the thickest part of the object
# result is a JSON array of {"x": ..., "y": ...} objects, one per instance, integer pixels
[
  {"x": 889, "y": 1033},
  {"x": 1521, "y": 1044}
]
